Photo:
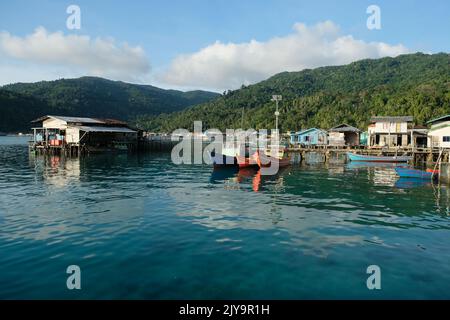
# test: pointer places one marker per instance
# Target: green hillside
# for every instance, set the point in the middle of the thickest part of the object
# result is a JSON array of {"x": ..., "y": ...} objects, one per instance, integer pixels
[
  {"x": 88, "y": 96},
  {"x": 415, "y": 84}
]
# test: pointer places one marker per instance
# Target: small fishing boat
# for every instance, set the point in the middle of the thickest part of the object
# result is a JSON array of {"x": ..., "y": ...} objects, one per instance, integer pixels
[
  {"x": 231, "y": 156},
  {"x": 265, "y": 158},
  {"x": 365, "y": 158},
  {"x": 406, "y": 172}
]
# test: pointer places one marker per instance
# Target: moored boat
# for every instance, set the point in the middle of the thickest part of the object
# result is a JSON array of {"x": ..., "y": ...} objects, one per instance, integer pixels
[
  {"x": 231, "y": 156},
  {"x": 406, "y": 172},
  {"x": 247, "y": 161},
  {"x": 267, "y": 158},
  {"x": 366, "y": 158}
]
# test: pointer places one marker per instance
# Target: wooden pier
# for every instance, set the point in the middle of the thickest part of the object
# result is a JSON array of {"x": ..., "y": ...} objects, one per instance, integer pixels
[
  {"x": 309, "y": 154},
  {"x": 324, "y": 154},
  {"x": 156, "y": 143},
  {"x": 329, "y": 154},
  {"x": 70, "y": 150}
]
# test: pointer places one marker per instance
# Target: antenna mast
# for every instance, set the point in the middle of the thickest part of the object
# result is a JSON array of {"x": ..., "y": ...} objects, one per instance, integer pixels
[{"x": 276, "y": 98}]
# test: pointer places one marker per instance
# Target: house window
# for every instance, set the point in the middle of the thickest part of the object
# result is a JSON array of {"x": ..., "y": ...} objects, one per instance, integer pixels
[{"x": 446, "y": 139}]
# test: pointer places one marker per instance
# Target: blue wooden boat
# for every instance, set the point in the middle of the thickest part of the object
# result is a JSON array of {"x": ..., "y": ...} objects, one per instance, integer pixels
[
  {"x": 410, "y": 183},
  {"x": 364, "y": 158},
  {"x": 405, "y": 172}
]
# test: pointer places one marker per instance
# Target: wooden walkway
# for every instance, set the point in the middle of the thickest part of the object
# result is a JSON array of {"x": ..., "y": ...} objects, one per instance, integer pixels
[{"x": 420, "y": 155}]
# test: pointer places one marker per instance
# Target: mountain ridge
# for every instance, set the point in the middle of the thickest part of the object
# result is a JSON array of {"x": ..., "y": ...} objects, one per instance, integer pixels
[
  {"x": 91, "y": 97},
  {"x": 416, "y": 84}
]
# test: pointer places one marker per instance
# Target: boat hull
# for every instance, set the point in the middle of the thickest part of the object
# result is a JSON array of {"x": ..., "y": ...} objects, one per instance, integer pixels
[
  {"x": 265, "y": 161},
  {"x": 404, "y": 172},
  {"x": 221, "y": 160},
  {"x": 244, "y": 162},
  {"x": 364, "y": 158}
]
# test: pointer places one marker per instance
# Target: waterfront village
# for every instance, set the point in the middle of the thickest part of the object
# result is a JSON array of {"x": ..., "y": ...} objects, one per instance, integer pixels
[
  {"x": 74, "y": 135},
  {"x": 387, "y": 139}
]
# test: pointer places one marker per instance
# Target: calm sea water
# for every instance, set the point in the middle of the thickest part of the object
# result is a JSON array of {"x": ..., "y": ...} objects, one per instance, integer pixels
[{"x": 141, "y": 227}]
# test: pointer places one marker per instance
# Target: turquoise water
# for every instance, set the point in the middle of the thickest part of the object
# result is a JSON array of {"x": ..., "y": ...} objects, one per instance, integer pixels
[{"x": 141, "y": 227}]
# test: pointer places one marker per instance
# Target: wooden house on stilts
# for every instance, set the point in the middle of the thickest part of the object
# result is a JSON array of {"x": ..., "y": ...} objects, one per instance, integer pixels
[{"x": 76, "y": 135}]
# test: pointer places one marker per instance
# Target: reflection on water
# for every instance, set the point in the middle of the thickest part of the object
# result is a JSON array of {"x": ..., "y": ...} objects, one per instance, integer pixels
[
  {"x": 377, "y": 175},
  {"x": 382, "y": 174},
  {"x": 141, "y": 227},
  {"x": 243, "y": 178},
  {"x": 57, "y": 170},
  {"x": 405, "y": 183}
]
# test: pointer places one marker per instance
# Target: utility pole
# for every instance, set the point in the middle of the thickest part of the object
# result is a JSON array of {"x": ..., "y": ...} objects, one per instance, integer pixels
[{"x": 276, "y": 98}]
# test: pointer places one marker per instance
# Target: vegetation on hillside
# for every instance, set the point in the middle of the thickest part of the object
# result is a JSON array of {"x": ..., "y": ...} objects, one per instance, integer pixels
[
  {"x": 416, "y": 84},
  {"x": 91, "y": 97},
  {"x": 17, "y": 110}
]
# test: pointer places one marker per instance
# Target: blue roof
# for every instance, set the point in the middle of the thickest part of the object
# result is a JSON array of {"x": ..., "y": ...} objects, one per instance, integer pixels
[{"x": 310, "y": 130}]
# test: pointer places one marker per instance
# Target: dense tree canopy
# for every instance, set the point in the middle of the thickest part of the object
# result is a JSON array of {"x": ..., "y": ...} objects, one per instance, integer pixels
[
  {"x": 416, "y": 84},
  {"x": 91, "y": 97}
]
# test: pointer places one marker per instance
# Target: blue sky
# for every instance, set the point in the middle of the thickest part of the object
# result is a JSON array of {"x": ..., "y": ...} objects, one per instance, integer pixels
[{"x": 164, "y": 30}]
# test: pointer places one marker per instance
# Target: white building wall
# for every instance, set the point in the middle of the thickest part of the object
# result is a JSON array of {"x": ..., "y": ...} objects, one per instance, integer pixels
[
  {"x": 336, "y": 139},
  {"x": 72, "y": 135},
  {"x": 54, "y": 124},
  {"x": 436, "y": 136},
  {"x": 392, "y": 127}
]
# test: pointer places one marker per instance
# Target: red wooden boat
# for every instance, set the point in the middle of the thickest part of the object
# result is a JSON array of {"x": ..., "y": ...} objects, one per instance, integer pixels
[
  {"x": 247, "y": 161},
  {"x": 266, "y": 158},
  {"x": 230, "y": 156}
]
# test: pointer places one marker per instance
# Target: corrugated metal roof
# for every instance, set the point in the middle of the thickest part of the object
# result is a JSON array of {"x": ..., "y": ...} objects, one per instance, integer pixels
[
  {"x": 113, "y": 122},
  {"x": 423, "y": 132},
  {"x": 70, "y": 119},
  {"x": 105, "y": 129},
  {"x": 311, "y": 129},
  {"x": 77, "y": 119},
  {"x": 443, "y": 118},
  {"x": 392, "y": 119},
  {"x": 344, "y": 128}
]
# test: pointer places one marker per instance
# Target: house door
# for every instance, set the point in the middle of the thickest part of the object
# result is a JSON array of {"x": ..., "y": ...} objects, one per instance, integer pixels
[{"x": 399, "y": 140}]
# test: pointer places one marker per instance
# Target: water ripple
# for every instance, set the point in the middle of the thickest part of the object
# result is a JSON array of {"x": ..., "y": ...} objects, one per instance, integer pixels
[{"x": 142, "y": 227}]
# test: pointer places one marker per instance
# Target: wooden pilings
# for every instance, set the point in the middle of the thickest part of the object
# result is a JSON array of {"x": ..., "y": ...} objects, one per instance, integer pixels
[
  {"x": 421, "y": 157},
  {"x": 69, "y": 150}
]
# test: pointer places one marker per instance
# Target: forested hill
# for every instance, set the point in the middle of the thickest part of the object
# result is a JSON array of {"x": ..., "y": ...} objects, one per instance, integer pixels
[
  {"x": 415, "y": 84},
  {"x": 90, "y": 97}
]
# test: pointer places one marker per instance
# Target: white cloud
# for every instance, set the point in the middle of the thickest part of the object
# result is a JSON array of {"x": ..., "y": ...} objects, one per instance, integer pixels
[
  {"x": 229, "y": 65},
  {"x": 70, "y": 55}
]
